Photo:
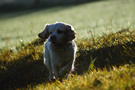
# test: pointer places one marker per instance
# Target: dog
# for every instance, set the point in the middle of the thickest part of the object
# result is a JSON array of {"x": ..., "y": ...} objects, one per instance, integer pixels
[{"x": 60, "y": 49}]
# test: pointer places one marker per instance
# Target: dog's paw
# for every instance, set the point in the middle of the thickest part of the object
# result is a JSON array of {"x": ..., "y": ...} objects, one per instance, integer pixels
[
  {"x": 52, "y": 79},
  {"x": 72, "y": 71}
]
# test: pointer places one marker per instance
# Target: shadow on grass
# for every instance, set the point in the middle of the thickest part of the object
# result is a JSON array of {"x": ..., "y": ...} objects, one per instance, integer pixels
[
  {"x": 26, "y": 72},
  {"x": 10, "y": 11},
  {"x": 23, "y": 72},
  {"x": 15, "y": 6},
  {"x": 106, "y": 57}
]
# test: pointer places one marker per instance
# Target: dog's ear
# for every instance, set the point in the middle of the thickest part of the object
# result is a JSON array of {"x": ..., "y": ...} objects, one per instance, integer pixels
[
  {"x": 45, "y": 33},
  {"x": 70, "y": 33}
]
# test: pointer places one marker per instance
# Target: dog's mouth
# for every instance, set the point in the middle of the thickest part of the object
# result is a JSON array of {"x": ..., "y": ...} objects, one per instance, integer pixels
[{"x": 57, "y": 44}]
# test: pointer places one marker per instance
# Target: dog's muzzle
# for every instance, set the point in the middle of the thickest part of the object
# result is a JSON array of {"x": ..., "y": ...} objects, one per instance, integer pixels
[{"x": 53, "y": 38}]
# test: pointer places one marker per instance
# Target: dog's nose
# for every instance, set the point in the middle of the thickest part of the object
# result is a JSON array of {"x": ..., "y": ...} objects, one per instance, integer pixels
[{"x": 53, "y": 38}]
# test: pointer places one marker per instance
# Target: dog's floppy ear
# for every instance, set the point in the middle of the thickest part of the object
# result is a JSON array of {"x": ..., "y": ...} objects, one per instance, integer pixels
[
  {"x": 45, "y": 33},
  {"x": 70, "y": 33}
]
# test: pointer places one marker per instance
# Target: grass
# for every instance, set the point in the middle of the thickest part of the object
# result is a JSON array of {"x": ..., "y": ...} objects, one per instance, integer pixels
[
  {"x": 109, "y": 56},
  {"x": 117, "y": 78},
  {"x": 105, "y": 62},
  {"x": 106, "y": 50},
  {"x": 99, "y": 17}
]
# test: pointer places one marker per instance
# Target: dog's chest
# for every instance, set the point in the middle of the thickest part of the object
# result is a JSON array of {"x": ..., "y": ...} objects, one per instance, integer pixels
[{"x": 62, "y": 56}]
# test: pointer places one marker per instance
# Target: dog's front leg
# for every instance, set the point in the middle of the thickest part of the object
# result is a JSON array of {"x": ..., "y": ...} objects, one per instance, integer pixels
[
  {"x": 48, "y": 65},
  {"x": 47, "y": 62},
  {"x": 66, "y": 69},
  {"x": 55, "y": 70}
]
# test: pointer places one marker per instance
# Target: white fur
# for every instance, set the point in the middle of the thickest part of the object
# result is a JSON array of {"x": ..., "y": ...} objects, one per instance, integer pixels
[{"x": 60, "y": 49}]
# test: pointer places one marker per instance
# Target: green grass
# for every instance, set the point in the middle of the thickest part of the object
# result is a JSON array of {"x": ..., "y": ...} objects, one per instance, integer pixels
[
  {"x": 106, "y": 62},
  {"x": 117, "y": 78},
  {"x": 106, "y": 50},
  {"x": 99, "y": 17}
]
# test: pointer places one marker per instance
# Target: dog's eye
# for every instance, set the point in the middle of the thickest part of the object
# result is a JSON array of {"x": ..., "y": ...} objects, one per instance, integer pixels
[
  {"x": 50, "y": 32},
  {"x": 59, "y": 31}
]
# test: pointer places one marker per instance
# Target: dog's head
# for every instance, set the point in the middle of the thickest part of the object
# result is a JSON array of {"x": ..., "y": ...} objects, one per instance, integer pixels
[{"x": 58, "y": 33}]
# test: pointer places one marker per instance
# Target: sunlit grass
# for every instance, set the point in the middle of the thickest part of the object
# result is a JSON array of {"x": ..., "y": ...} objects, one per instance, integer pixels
[
  {"x": 106, "y": 47},
  {"x": 112, "y": 77},
  {"x": 117, "y": 78},
  {"x": 105, "y": 62},
  {"x": 99, "y": 17}
]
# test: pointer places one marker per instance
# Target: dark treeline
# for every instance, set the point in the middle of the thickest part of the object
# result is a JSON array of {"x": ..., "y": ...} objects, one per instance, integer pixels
[{"x": 17, "y": 5}]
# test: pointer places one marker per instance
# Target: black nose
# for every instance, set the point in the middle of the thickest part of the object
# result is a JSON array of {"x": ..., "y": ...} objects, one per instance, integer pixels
[{"x": 53, "y": 38}]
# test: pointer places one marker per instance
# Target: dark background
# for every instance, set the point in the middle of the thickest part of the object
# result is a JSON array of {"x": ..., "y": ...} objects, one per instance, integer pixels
[{"x": 17, "y": 5}]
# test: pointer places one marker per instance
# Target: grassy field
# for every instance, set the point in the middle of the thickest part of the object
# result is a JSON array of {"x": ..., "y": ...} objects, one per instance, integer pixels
[
  {"x": 99, "y": 17},
  {"x": 107, "y": 62},
  {"x": 106, "y": 47}
]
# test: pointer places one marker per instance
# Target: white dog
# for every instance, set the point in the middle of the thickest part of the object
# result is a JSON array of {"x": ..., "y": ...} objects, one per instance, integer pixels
[{"x": 60, "y": 49}]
